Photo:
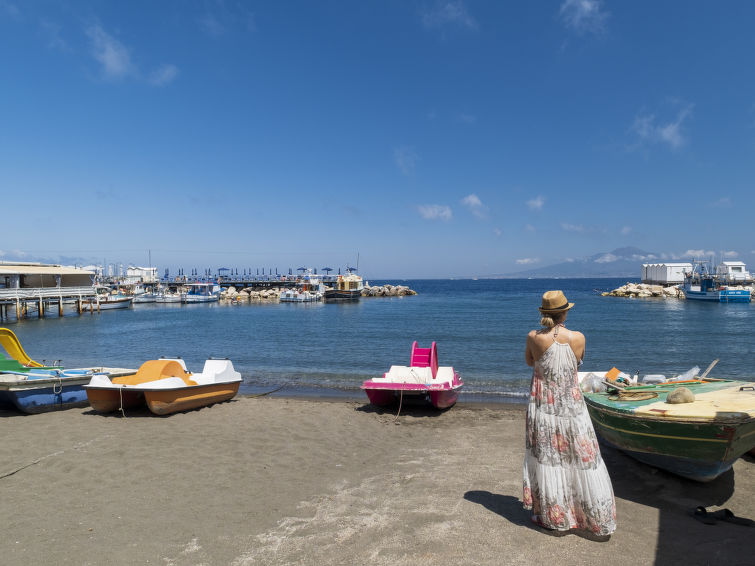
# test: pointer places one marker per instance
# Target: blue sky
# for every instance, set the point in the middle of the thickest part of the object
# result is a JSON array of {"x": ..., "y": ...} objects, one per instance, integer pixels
[{"x": 428, "y": 138}]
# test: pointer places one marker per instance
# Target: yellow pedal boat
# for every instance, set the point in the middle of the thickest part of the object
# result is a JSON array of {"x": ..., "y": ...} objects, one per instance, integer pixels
[{"x": 166, "y": 386}]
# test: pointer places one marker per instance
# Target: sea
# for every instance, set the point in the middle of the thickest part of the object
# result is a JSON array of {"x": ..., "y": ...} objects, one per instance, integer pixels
[{"x": 479, "y": 325}]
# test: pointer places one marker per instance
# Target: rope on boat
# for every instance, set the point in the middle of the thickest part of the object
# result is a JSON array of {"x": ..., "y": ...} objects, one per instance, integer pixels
[
  {"x": 57, "y": 391},
  {"x": 400, "y": 401},
  {"x": 120, "y": 393},
  {"x": 633, "y": 396}
]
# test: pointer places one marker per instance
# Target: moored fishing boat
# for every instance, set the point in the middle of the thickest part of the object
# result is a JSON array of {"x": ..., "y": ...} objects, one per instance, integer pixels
[
  {"x": 33, "y": 388},
  {"x": 699, "y": 440},
  {"x": 702, "y": 285},
  {"x": 165, "y": 386},
  {"x": 347, "y": 288},
  {"x": 422, "y": 379}
]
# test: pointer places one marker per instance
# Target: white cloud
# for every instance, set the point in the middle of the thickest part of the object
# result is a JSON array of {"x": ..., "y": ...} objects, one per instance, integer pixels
[
  {"x": 451, "y": 12},
  {"x": 163, "y": 75},
  {"x": 435, "y": 212},
  {"x": 465, "y": 118},
  {"x": 11, "y": 9},
  {"x": 730, "y": 254},
  {"x": 528, "y": 260},
  {"x": 406, "y": 159},
  {"x": 723, "y": 202},
  {"x": 572, "y": 227},
  {"x": 474, "y": 204},
  {"x": 584, "y": 16},
  {"x": 529, "y": 227},
  {"x": 54, "y": 39},
  {"x": 497, "y": 231},
  {"x": 670, "y": 133},
  {"x": 211, "y": 25},
  {"x": 626, "y": 230},
  {"x": 110, "y": 53},
  {"x": 536, "y": 203},
  {"x": 606, "y": 258},
  {"x": 222, "y": 18},
  {"x": 698, "y": 253}
]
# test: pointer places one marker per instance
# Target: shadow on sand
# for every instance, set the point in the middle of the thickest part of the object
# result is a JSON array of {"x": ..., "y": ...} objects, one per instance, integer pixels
[
  {"x": 681, "y": 539},
  {"x": 408, "y": 408}
]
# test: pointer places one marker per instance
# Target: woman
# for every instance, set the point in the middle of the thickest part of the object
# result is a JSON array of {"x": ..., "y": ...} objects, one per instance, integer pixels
[{"x": 566, "y": 484}]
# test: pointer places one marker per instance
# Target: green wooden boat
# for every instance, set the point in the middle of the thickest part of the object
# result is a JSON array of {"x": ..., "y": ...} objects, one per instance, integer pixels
[{"x": 698, "y": 440}]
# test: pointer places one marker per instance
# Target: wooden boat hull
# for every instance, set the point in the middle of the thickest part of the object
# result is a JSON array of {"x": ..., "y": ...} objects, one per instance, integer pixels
[
  {"x": 698, "y": 448},
  {"x": 342, "y": 294}
]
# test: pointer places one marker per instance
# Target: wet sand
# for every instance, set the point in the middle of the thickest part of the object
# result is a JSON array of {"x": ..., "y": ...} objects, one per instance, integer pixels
[{"x": 275, "y": 480}]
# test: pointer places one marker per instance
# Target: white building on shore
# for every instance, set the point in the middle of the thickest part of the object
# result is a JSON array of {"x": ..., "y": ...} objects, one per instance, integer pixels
[
  {"x": 665, "y": 273},
  {"x": 136, "y": 275},
  {"x": 733, "y": 272}
]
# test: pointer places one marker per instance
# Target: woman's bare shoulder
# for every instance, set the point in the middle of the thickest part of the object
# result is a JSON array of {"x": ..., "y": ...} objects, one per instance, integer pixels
[{"x": 577, "y": 335}]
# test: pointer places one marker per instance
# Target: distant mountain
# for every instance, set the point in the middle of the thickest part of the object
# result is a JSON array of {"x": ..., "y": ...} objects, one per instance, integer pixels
[{"x": 621, "y": 262}]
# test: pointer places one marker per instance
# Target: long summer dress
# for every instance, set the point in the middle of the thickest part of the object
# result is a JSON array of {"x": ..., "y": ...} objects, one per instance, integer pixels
[{"x": 566, "y": 484}]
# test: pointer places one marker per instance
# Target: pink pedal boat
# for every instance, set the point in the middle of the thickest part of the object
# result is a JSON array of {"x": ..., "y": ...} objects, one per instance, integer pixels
[{"x": 422, "y": 378}]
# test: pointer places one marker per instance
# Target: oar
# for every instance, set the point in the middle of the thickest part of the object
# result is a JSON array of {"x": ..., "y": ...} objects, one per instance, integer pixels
[
  {"x": 707, "y": 371},
  {"x": 613, "y": 384}
]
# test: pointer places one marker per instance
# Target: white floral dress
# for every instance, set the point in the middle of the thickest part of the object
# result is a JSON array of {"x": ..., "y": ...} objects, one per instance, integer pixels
[{"x": 566, "y": 484}]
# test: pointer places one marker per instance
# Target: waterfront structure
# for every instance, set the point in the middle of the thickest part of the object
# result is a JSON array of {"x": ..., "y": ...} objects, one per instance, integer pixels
[
  {"x": 665, "y": 273},
  {"x": 733, "y": 272},
  {"x": 136, "y": 275},
  {"x": 27, "y": 286}
]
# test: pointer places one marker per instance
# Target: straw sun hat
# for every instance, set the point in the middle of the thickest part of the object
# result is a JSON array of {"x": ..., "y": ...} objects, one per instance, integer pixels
[{"x": 555, "y": 302}]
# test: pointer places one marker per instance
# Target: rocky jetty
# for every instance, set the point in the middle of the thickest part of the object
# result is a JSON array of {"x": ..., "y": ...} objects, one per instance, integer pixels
[
  {"x": 645, "y": 290},
  {"x": 387, "y": 291},
  {"x": 231, "y": 294},
  {"x": 273, "y": 294}
]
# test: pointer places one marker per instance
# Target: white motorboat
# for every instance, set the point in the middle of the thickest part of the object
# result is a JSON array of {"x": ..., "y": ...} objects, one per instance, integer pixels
[{"x": 206, "y": 292}]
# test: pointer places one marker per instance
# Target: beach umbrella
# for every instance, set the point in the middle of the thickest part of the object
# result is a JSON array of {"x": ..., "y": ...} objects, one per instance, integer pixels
[{"x": 327, "y": 269}]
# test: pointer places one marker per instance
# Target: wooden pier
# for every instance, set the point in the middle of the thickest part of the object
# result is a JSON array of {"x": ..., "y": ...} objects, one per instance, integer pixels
[{"x": 26, "y": 288}]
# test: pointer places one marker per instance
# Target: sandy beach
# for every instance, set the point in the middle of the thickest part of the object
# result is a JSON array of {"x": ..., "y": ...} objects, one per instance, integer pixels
[{"x": 276, "y": 480}]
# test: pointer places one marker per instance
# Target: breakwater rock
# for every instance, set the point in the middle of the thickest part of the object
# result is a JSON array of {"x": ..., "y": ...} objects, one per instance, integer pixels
[
  {"x": 387, "y": 291},
  {"x": 273, "y": 294},
  {"x": 645, "y": 290},
  {"x": 247, "y": 294}
]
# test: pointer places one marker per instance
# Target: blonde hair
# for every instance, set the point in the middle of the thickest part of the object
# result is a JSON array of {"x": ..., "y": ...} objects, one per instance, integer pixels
[{"x": 549, "y": 320}]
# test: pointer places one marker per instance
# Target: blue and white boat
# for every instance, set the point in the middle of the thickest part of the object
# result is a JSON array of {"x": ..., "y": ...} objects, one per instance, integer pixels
[
  {"x": 32, "y": 388},
  {"x": 206, "y": 292},
  {"x": 701, "y": 285}
]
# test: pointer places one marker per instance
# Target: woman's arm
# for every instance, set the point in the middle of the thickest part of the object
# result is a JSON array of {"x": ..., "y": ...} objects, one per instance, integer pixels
[
  {"x": 529, "y": 355},
  {"x": 578, "y": 345}
]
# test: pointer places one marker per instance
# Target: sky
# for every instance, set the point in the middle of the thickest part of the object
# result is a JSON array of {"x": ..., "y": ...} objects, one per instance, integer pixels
[{"x": 420, "y": 139}]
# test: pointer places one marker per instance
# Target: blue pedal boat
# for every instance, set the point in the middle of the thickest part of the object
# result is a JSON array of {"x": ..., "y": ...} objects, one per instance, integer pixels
[{"x": 32, "y": 387}]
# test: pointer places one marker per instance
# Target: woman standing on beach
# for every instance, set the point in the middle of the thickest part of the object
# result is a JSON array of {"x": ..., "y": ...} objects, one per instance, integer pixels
[{"x": 566, "y": 484}]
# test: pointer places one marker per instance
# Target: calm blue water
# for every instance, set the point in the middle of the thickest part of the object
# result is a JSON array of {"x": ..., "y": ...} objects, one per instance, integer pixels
[{"x": 480, "y": 327}]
